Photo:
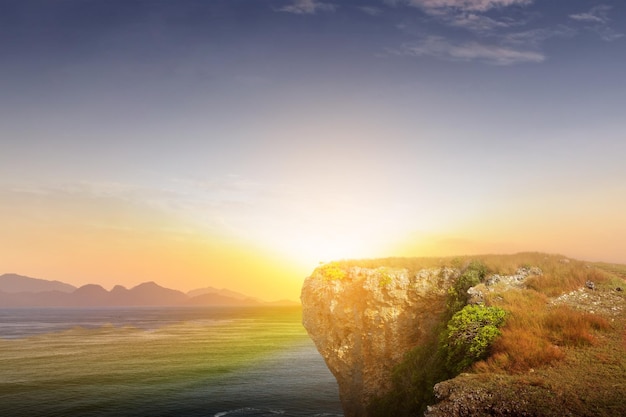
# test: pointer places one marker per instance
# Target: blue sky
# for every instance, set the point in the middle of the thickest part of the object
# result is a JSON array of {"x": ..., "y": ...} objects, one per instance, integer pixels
[{"x": 311, "y": 130}]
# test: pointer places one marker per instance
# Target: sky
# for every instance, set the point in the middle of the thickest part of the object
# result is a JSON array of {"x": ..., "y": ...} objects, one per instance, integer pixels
[{"x": 239, "y": 143}]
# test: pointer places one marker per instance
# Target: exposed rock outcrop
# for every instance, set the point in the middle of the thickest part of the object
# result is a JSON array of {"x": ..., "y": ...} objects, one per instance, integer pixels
[
  {"x": 497, "y": 282},
  {"x": 364, "y": 321},
  {"x": 468, "y": 396}
]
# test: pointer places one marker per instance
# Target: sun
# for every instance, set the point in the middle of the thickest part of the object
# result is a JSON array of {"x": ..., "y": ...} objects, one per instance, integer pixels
[{"x": 314, "y": 248}]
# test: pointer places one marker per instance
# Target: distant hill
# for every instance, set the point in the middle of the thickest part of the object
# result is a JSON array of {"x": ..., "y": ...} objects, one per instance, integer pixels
[
  {"x": 13, "y": 283},
  {"x": 214, "y": 299},
  {"x": 19, "y": 291},
  {"x": 148, "y": 293},
  {"x": 223, "y": 292},
  {"x": 224, "y": 296}
]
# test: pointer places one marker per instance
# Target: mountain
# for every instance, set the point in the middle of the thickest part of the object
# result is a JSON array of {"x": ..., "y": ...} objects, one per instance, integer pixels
[
  {"x": 150, "y": 293},
  {"x": 223, "y": 292},
  {"x": 13, "y": 283},
  {"x": 213, "y": 299},
  {"x": 34, "y": 299},
  {"x": 19, "y": 291},
  {"x": 89, "y": 295}
]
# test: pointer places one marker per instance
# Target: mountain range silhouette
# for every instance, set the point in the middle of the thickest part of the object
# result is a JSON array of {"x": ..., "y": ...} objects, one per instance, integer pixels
[{"x": 21, "y": 291}]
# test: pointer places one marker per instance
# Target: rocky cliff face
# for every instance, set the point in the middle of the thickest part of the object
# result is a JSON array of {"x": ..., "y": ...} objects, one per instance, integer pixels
[
  {"x": 563, "y": 354},
  {"x": 364, "y": 320}
]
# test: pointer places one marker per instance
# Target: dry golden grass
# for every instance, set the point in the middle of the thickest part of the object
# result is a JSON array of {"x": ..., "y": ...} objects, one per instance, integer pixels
[
  {"x": 536, "y": 333},
  {"x": 559, "y": 279},
  {"x": 553, "y": 352},
  {"x": 502, "y": 264},
  {"x": 569, "y": 327},
  {"x": 522, "y": 345},
  {"x": 412, "y": 264}
]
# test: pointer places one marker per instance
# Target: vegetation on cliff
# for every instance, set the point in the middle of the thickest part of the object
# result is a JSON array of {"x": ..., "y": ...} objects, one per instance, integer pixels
[
  {"x": 469, "y": 335},
  {"x": 464, "y": 335},
  {"x": 331, "y": 271},
  {"x": 554, "y": 341}
]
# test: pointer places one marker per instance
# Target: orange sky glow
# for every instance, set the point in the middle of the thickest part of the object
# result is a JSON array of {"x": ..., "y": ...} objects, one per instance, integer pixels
[
  {"x": 80, "y": 236},
  {"x": 239, "y": 144}
]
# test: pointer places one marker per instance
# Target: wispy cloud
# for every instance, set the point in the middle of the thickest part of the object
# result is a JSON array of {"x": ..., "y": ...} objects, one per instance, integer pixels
[
  {"x": 307, "y": 7},
  {"x": 597, "y": 20},
  {"x": 439, "y": 6},
  {"x": 608, "y": 34},
  {"x": 499, "y": 30},
  {"x": 476, "y": 22},
  {"x": 536, "y": 37},
  {"x": 597, "y": 14},
  {"x": 468, "y": 14},
  {"x": 470, "y": 51}
]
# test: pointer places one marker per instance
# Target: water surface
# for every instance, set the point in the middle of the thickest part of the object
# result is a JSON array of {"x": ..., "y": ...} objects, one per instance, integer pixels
[{"x": 161, "y": 362}]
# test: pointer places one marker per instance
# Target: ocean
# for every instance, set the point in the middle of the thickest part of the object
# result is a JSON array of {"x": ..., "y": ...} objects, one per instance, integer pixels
[{"x": 140, "y": 362}]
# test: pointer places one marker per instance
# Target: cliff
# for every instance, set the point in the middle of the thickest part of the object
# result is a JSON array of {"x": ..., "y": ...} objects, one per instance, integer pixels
[
  {"x": 381, "y": 327},
  {"x": 364, "y": 323}
]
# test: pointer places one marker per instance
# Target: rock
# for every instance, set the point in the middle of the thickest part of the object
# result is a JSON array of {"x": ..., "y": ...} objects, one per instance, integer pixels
[
  {"x": 363, "y": 324},
  {"x": 467, "y": 396},
  {"x": 619, "y": 289},
  {"x": 606, "y": 303},
  {"x": 502, "y": 283},
  {"x": 477, "y": 294}
]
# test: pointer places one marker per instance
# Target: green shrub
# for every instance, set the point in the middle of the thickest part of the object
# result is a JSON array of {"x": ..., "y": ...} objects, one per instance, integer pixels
[{"x": 469, "y": 334}]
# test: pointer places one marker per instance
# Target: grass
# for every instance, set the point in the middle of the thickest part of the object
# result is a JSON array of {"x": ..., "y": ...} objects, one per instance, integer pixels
[
  {"x": 537, "y": 331},
  {"x": 568, "y": 327},
  {"x": 563, "y": 354},
  {"x": 576, "y": 355},
  {"x": 586, "y": 378}
]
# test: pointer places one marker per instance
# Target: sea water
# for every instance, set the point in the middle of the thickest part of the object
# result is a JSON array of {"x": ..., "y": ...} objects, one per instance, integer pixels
[{"x": 161, "y": 362}]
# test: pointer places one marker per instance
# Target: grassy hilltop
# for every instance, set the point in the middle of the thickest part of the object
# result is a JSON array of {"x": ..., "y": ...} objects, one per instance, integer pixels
[{"x": 559, "y": 350}]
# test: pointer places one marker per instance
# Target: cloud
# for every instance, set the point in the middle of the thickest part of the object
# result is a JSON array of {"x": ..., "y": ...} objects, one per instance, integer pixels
[
  {"x": 470, "y": 51},
  {"x": 597, "y": 14},
  {"x": 468, "y": 14},
  {"x": 437, "y": 6},
  {"x": 587, "y": 17},
  {"x": 597, "y": 19},
  {"x": 608, "y": 34},
  {"x": 476, "y": 22},
  {"x": 535, "y": 37},
  {"x": 308, "y": 7}
]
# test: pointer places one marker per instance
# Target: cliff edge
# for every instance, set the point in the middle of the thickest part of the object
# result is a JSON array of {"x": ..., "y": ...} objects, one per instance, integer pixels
[
  {"x": 363, "y": 321},
  {"x": 388, "y": 330}
]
